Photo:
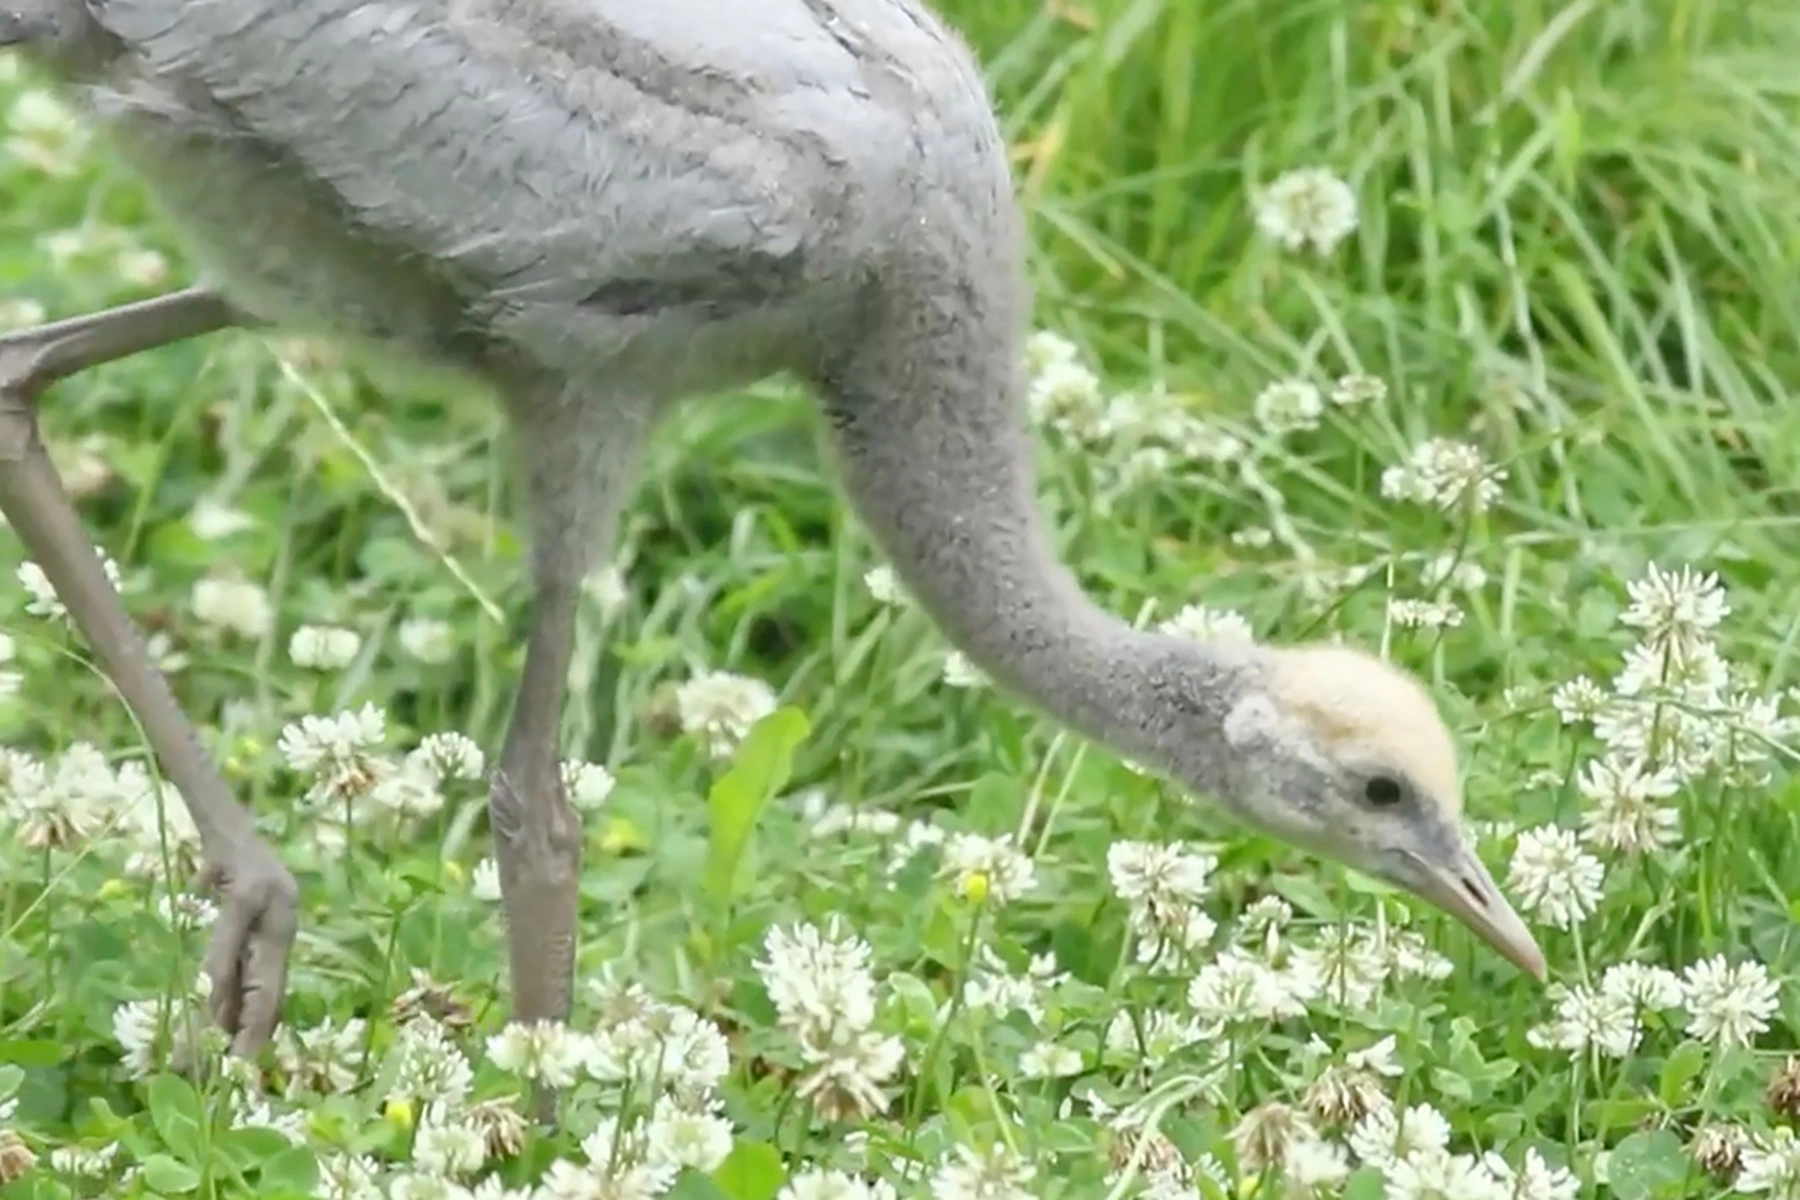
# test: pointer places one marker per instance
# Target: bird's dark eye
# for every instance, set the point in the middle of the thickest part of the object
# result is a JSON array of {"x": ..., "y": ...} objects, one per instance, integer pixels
[{"x": 1382, "y": 791}]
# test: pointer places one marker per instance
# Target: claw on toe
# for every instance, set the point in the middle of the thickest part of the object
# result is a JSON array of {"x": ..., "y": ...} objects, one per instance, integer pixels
[{"x": 252, "y": 939}]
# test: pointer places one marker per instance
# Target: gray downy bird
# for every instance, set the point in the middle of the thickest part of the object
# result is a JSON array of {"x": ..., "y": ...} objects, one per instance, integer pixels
[{"x": 596, "y": 208}]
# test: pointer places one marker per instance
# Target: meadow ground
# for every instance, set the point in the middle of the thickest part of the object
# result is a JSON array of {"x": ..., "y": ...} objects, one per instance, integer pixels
[{"x": 1516, "y": 414}]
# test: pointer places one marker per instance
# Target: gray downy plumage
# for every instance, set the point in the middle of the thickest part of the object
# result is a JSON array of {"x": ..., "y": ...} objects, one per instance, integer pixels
[{"x": 602, "y": 206}]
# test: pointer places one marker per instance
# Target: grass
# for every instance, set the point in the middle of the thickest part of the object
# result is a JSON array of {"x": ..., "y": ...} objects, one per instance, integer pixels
[{"x": 1580, "y": 227}]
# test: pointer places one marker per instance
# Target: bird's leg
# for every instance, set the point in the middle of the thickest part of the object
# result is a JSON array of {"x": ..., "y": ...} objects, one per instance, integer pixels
[
  {"x": 537, "y": 834},
  {"x": 577, "y": 457},
  {"x": 247, "y": 960}
]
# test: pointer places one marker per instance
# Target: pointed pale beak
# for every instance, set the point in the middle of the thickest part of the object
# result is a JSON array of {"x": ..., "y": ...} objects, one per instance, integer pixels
[{"x": 1463, "y": 888}]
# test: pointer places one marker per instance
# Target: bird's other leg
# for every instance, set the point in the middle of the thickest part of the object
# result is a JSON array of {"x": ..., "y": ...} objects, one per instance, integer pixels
[
  {"x": 576, "y": 460},
  {"x": 247, "y": 960}
]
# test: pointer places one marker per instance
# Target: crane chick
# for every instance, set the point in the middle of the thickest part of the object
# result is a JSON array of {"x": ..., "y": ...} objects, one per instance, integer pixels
[
  {"x": 597, "y": 209},
  {"x": 1340, "y": 753}
]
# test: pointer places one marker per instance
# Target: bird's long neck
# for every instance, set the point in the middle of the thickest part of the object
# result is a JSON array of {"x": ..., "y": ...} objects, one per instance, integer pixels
[{"x": 938, "y": 458}]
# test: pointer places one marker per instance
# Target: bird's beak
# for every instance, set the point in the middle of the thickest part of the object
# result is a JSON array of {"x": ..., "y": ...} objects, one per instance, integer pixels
[{"x": 1462, "y": 887}]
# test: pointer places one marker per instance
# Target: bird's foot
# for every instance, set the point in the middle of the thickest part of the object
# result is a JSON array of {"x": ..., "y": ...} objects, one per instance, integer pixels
[{"x": 247, "y": 961}]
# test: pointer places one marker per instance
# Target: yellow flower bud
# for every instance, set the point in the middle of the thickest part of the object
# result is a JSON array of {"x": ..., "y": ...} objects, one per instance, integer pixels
[{"x": 975, "y": 886}]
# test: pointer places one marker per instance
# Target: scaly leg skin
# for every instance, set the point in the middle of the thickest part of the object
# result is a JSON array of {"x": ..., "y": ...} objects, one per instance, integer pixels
[
  {"x": 247, "y": 959},
  {"x": 577, "y": 458},
  {"x": 537, "y": 835}
]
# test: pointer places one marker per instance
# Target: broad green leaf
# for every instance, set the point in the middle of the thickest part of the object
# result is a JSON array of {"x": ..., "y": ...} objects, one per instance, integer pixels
[
  {"x": 1681, "y": 1069},
  {"x": 692, "y": 1185},
  {"x": 738, "y": 797},
  {"x": 165, "y": 1174},
  {"x": 10, "y": 1079},
  {"x": 1365, "y": 1183},
  {"x": 1644, "y": 1163},
  {"x": 752, "y": 1171},
  {"x": 293, "y": 1169},
  {"x": 175, "y": 1111},
  {"x": 31, "y": 1052}
]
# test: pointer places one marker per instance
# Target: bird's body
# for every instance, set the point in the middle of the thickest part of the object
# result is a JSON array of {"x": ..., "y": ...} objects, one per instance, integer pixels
[
  {"x": 602, "y": 206},
  {"x": 643, "y": 196}
]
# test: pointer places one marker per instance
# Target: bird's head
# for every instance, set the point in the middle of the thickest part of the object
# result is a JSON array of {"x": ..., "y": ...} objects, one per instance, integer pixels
[{"x": 1341, "y": 754}]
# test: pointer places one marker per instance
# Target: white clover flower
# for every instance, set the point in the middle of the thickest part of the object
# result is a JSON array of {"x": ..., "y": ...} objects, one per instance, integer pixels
[
  {"x": 1314, "y": 1165},
  {"x": 1580, "y": 699},
  {"x": 1159, "y": 872},
  {"x": 1350, "y": 967},
  {"x": 442, "y": 757},
  {"x": 1729, "y": 1004},
  {"x": 1554, "y": 878},
  {"x": 1441, "y": 1175},
  {"x": 1165, "y": 885},
  {"x": 884, "y": 585},
  {"x": 996, "y": 1173},
  {"x": 607, "y": 588},
  {"x": 992, "y": 986},
  {"x": 1387, "y": 1136},
  {"x": 1003, "y": 871},
  {"x": 1423, "y": 614},
  {"x": 431, "y": 1068},
  {"x": 328, "y": 747},
  {"x": 816, "y": 1183},
  {"x": 427, "y": 639},
  {"x": 960, "y": 672},
  {"x": 144, "y": 267},
  {"x": 1235, "y": 989},
  {"x": 325, "y": 1059},
  {"x": 187, "y": 911},
  {"x": 1534, "y": 1180},
  {"x": 1147, "y": 1039},
  {"x": 1357, "y": 390},
  {"x": 45, "y": 134},
  {"x": 21, "y": 312},
  {"x": 1624, "y": 813},
  {"x": 1445, "y": 473},
  {"x": 1046, "y": 348},
  {"x": 1049, "y": 1060},
  {"x": 62, "y": 804},
  {"x": 846, "y": 1083},
  {"x": 91, "y": 1161},
  {"x": 212, "y": 521},
  {"x": 1586, "y": 1018},
  {"x": 1453, "y": 571},
  {"x": 1067, "y": 397},
  {"x": 819, "y": 980},
  {"x": 1288, "y": 406},
  {"x": 721, "y": 708},
  {"x": 1307, "y": 205},
  {"x": 411, "y": 792},
  {"x": 1644, "y": 986},
  {"x": 447, "y": 1147},
  {"x": 10, "y": 681},
  {"x": 545, "y": 1052},
  {"x": 153, "y": 1033},
  {"x": 349, "y": 1177},
  {"x": 1204, "y": 624},
  {"x": 1771, "y": 1164},
  {"x": 679, "y": 1137},
  {"x": 323, "y": 647},
  {"x": 44, "y": 602},
  {"x": 588, "y": 784},
  {"x": 1675, "y": 609},
  {"x": 234, "y": 606}
]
